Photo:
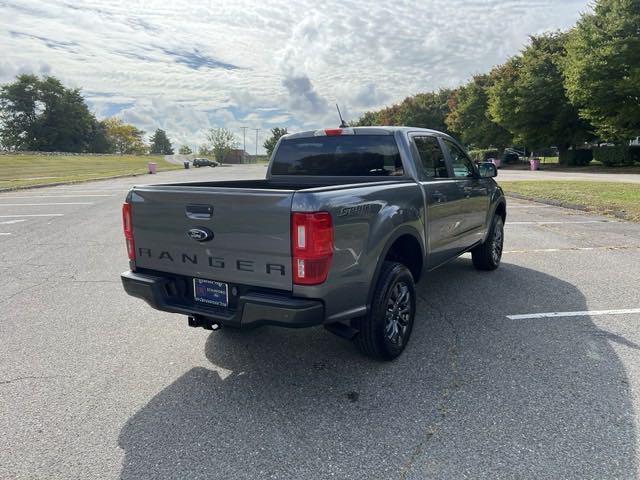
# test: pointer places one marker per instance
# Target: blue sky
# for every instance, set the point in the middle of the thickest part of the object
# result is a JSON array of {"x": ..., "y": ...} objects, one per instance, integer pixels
[{"x": 187, "y": 66}]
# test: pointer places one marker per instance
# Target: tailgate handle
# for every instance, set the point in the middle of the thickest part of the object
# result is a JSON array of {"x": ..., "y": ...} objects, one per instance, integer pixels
[{"x": 199, "y": 212}]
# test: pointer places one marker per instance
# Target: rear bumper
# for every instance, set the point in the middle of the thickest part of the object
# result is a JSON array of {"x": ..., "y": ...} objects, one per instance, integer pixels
[{"x": 252, "y": 309}]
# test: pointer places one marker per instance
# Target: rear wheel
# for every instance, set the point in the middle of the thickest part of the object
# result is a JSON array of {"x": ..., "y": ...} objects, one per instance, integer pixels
[
  {"x": 488, "y": 255},
  {"x": 385, "y": 331}
]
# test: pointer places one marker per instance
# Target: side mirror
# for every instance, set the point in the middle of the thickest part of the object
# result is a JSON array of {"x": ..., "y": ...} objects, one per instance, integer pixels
[{"x": 487, "y": 170}]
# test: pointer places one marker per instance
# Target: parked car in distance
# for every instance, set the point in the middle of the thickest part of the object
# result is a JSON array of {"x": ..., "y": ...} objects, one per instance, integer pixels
[
  {"x": 205, "y": 162},
  {"x": 345, "y": 223}
]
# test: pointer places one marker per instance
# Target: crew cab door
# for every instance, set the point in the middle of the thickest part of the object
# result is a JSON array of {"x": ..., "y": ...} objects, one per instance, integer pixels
[
  {"x": 444, "y": 215},
  {"x": 474, "y": 194}
]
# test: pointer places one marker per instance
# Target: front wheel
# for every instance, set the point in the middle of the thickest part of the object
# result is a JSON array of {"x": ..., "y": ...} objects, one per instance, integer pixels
[
  {"x": 385, "y": 331},
  {"x": 488, "y": 255}
]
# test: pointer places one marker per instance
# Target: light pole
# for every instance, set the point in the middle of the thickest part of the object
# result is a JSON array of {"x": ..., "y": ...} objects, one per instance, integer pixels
[
  {"x": 257, "y": 130},
  {"x": 244, "y": 142}
]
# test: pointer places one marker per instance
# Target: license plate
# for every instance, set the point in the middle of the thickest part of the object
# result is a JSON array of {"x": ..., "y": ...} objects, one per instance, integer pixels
[{"x": 211, "y": 292}]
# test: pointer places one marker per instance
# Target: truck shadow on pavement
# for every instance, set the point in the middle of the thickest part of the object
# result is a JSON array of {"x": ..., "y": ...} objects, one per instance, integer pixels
[{"x": 474, "y": 395}]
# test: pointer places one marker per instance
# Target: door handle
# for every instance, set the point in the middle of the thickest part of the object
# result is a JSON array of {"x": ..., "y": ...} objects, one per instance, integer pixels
[
  {"x": 437, "y": 197},
  {"x": 199, "y": 212}
]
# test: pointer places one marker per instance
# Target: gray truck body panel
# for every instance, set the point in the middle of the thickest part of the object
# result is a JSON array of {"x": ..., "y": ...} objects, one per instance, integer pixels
[
  {"x": 251, "y": 233},
  {"x": 250, "y": 222}
]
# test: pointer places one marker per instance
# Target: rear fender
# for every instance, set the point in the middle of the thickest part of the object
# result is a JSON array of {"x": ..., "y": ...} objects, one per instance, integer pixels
[
  {"x": 498, "y": 202},
  {"x": 401, "y": 231}
]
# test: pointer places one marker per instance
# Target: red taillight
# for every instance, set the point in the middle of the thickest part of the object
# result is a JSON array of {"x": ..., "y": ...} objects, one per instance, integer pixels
[
  {"x": 127, "y": 227},
  {"x": 311, "y": 247}
]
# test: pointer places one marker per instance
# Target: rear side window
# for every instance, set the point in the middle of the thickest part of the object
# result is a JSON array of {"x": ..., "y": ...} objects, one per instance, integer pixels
[
  {"x": 431, "y": 157},
  {"x": 344, "y": 155}
]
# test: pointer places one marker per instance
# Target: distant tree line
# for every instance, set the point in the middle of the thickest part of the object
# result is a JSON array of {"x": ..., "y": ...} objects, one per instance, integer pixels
[
  {"x": 562, "y": 89},
  {"x": 41, "y": 114}
]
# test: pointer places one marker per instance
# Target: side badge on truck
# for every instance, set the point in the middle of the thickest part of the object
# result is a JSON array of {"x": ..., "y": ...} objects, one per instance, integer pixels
[{"x": 200, "y": 234}]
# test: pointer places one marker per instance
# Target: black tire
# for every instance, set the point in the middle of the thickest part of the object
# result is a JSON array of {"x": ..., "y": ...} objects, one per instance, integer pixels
[
  {"x": 488, "y": 255},
  {"x": 385, "y": 331}
]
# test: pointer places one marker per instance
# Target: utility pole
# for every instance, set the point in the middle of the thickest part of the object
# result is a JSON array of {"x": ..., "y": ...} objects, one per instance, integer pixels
[
  {"x": 244, "y": 142},
  {"x": 257, "y": 130}
]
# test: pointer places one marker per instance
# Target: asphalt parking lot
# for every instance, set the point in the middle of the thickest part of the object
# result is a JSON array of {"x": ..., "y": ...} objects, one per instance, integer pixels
[{"x": 95, "y": 384}]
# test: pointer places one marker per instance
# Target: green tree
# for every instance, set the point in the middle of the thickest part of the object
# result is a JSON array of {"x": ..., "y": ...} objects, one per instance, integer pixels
[
  {"x": 99, "y": 141},
  {"x": 365, "y": 120},
  {"x": 528, "y": 98},
  {"x": 19, "y": 110},
  {"x": 125, "y": 138},
  {"x": 205, "y": 151},
  {"x": 160, "y": 143},
  {"x": 270, "y": 143},
  {"x": 426, "y": 110},
  {"x": 185, "y": 150},
  {"x": 469, "y": 117},
  {"x": 602, "y": 68},
  {"x": 222, "y": 141},
  {"x": 42, "y": 114}
]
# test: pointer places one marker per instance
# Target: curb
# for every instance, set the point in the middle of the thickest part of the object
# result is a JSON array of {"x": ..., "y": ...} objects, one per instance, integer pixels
[
  {"x": 571, "y": 206},
  {"x": 73, "y": 182}
]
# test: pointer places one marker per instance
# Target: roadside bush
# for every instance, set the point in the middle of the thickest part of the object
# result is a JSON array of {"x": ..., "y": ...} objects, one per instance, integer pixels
[
  {"x": 615, "y": 156},
  {"x": 481, "y": 155},
  {"x": 576, "y": 158},
  {"x": 634, "y": 152}
]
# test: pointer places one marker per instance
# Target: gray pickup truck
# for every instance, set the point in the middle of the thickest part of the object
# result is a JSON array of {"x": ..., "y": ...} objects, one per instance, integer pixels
[{"x": 345, "y": 223}]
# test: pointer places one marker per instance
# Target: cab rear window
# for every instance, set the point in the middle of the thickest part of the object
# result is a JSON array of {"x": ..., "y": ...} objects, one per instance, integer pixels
[{"x": 344, "y": 155}]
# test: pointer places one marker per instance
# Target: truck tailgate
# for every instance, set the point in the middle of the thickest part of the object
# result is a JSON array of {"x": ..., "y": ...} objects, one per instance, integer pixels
[{"x": 250, "y": 229}]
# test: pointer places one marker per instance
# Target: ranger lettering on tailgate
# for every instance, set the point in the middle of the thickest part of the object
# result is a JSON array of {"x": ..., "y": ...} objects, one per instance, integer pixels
[{"x": 213, "y": 262}]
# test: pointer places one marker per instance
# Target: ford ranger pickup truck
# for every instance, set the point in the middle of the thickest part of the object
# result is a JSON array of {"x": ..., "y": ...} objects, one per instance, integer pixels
[{"x": 337, "y": 234}]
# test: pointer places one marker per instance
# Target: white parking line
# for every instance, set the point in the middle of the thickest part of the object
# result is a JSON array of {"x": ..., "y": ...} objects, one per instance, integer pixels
[
  {"x": 560, "y": 223},
  {"x": 528, "y": 206},
  {"x": 34, "y": 215},
  {"x": 84, "y": 190},
  {"x": 11, "y": 222},
  {"x": 587, "y": 313},
  {"x": 82, "y": 193},
  {"x": 43, "y": 204},
  {"x": 4, "y": 234},
  {"x": 58, "y": 196},
  {"x": 571, "y": 249}
]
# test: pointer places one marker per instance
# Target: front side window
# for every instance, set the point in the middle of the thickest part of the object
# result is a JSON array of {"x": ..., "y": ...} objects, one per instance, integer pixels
[
  {"x": 343, "y": 155},
  {"x": 431, "y": 157},
  {"x": 462, "y": 166}
]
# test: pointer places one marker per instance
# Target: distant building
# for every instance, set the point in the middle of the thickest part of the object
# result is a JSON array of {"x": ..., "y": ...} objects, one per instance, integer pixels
[{"x": 238, "y": 155}]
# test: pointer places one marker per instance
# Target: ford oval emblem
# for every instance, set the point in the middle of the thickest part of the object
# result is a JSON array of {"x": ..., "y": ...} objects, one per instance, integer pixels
[{"x": 200, "y": 234}]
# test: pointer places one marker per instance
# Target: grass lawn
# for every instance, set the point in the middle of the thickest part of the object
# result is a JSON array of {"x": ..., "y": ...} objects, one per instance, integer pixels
[
  {"x": 546, "y": 160},
  {"x": 29, "y": 170},
  {"x": 619, "y": 199},
  {"x": 551, "y": 164}
]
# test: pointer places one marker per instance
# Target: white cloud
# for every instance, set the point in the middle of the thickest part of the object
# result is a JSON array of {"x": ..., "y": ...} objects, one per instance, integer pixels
[{"x": 187, "y": 67}]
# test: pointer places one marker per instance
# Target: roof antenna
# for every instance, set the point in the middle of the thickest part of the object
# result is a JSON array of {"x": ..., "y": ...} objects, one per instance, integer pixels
[{"x": 342, "y": 122}]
